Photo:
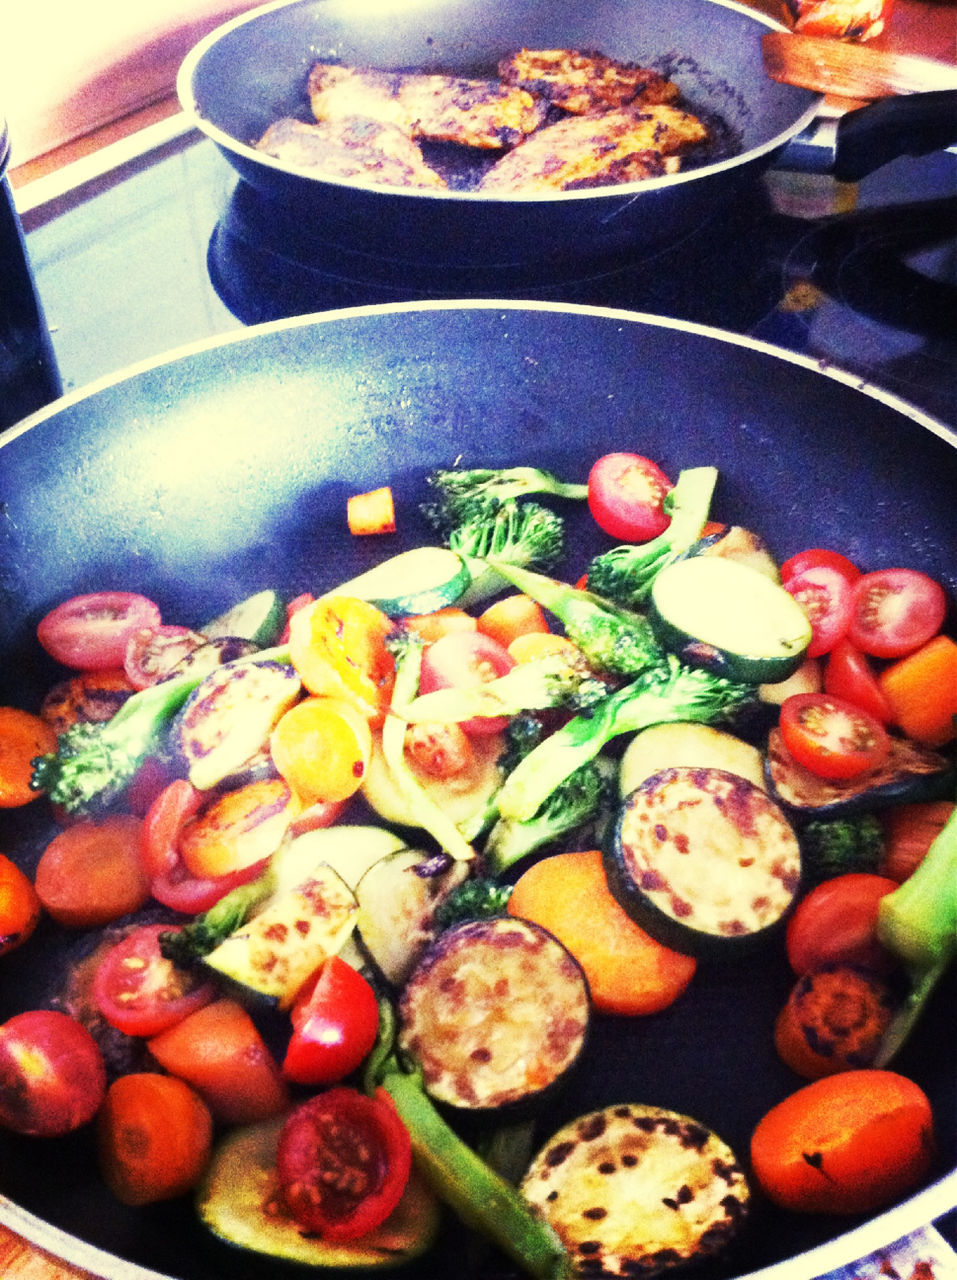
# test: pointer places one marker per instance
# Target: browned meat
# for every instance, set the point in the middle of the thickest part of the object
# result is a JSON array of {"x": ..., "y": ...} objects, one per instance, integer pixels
[
  {"x": 584, "y": 82},
  {"x": 591, "y": 151},
  {"x": 351, "y": 147},
  {"x": 474, "y": 113}
]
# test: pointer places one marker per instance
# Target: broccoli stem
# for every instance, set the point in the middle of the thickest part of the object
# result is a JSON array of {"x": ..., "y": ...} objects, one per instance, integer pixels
[
  {"x": 504, "y": 482},
  {"x": 189, "y": 944},
  {"x": 480, "y": 1196},
  {"x": 668, "y": 692}
]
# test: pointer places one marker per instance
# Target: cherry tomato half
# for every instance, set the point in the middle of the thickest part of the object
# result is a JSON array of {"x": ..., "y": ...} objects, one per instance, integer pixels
[
  {"x": 139, "y": 991},
  {"x": 825, "y": 596},
  {"x": 626, "y": 494},
  {"x": 52, "y": 1074},
  {"x": 895, "y": 611},
  {"x": 849, "y": 675},
  {"x": 831, "y": 737},
  {"x": 90, "y": 632},
  {"x": 461, "y": 660},
  {"x": 814, "y": 558},
  {"x": 335, "y": 1020},
  {"x": 153, "y": 652},
  {"x": 343, "y": 1161},
  {"x": 837, "y": 923}
]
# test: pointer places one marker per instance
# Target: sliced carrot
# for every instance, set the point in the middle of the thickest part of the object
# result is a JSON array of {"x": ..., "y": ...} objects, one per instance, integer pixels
[
  {"x": 833, "y": 1020},
  {"x": 154, "y": 1137},
  {"x": 628, "y": 972},
  {"x": 909, "y": 831},
  {"x": 850, "y": 1143},
  {"x": 513, "y": 616},
  {"x": 338, "y": 646},
  {"x": 433, "y": 626},
  {"x": 372, "y": 512},
  {"x": 922, "y": 691},
  {"x": 539, "y": 644},
  {"x": 20, "y": 907},
  {"x": 92, "y": 873},
  {"x": 91, "y": 697},
  {"x": 321, "y": 746},
  {"x": 22, "y": 737},
  {"x": 239, "y": 829}
]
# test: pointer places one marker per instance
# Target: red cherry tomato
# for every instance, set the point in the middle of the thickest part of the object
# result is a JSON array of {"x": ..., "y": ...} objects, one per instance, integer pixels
[
  {"x": 626, "y": 494},
  {"x": 825, "y": 596},
  {"x": 895, "y": 611},
  {"x": 831, "y": 737},
  {"x": 171, "y": 883},
  {"x": 343, "y": 1161},
  {"x": 91, "y": 632},
  {"x": 52, "y": 1074},
  {"x": 335, "y": 1020},
  {"x": 461, "y": 660},
  {"x": 836, "y": 923},
  {"x": 849, "y": 675},
  {"x": 816, "y": 557},
  {"x": 139, "y": 991},
  {"x": 153, "y": 652}
]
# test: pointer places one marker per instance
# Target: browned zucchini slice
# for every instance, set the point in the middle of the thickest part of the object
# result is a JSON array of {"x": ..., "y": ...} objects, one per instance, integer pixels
[{"x": 495, "y": 1013}]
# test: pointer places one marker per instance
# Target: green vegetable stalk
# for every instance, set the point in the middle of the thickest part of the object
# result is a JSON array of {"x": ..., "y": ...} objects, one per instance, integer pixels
[
  {"x": 456, "y": 485},
  {"x": 480, "y": 1196},
  {"x": 918, "y": 923},
  {"x": 189, "y": 943}
]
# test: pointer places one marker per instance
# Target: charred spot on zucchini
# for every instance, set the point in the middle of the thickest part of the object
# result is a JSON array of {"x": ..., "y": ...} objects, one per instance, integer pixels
[
  {"x": 638, "y": 1190},
  {"x": 495, "y": 1014},
  {"x": 703, "y": 860},
  {"x": 730, "y": 618},
  {"x": 241, "y": 1203},
  {"x": 734, "y": 542}
]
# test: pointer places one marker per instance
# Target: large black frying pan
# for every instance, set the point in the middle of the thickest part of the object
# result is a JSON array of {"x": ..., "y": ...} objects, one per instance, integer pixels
[
  {"x": 201, "y": 478},
  {"x": 253, "y": 70}
]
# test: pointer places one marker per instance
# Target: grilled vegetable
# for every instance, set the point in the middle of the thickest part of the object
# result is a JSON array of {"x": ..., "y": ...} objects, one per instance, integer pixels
[
  {"x": 662, "y": 746},
  {"x": 417, "y": 581},
  {"x": 703, "y": 860},
  {"x": 259, "y": 618},
  {"x": 836, "y": 846},
  {"x": 638, "y": 1190},
  {"x": 495, "y": 1013}
]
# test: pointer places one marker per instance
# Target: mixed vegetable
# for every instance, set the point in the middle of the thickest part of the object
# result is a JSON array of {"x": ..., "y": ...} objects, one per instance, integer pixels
[{"x": 575, "y": 795}]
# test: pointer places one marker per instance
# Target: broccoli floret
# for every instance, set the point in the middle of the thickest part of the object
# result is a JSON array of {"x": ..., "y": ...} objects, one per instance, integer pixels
[
  {"x": 188, "y": 944},
  {"x": 625, "y": 574},
  {"x": 460, "y": 485},
  {"x": 613, "y": 639},
  {"x": 480, "y": 898},
  {"x": 667, "y": 692},
  {"x": 835, "y": 846},
  {"x": 582, "y": 797},
  {"x": 519, "y": 533}
]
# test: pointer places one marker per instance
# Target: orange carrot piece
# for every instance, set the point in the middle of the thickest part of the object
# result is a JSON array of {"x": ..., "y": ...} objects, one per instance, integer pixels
[
  {"x": 833, "y": 1020},
  {"x": 628, "y": 972},
  {"x": 922, "y": 691},
  {"x": 513, "y": 616},
  {"x": 22, "y": 736},
  {"x": 372, "y": 512},
  {"x": 20, "y": 907}
]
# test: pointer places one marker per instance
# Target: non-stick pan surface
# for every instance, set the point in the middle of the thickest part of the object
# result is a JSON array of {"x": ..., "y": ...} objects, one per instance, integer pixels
[
  {"x": 251, "y": 71},
  {"x": 204, "y": 477}
]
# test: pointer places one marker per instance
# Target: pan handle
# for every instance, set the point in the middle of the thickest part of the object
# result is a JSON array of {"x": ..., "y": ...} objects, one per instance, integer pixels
[{"x": 864, "y": 140}]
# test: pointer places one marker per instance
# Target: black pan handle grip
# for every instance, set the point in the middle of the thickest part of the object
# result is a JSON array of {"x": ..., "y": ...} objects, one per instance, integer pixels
[{"x": 912, "y": 125}]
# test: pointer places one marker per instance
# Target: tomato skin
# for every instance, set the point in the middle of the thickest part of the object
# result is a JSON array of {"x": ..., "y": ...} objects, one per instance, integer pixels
[
  {"x": 895, "y": 611},
  {"x": 848, "y": 674},
  {"x": 831, "y": 737},
  {"x": 90, "y": 632},
  {"x": 52, "y": 1074},
  {"x": 363, "y": 1149},
  {"x": 825, "y": 596},
  {"x": 140, "y": 992},
  {"x": 438, "y": 750},
  {"x": 816, "y": 557},
  {"x": 152, "y": 652},
  {"x": 462, "y": 660},
  {"x": 837, "y": 922},
  {"x": 626, "y": 493},
  {"x": 335, "y": 1020}
]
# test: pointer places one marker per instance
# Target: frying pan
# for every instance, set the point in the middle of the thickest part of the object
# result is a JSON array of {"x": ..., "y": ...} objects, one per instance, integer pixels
[
  {"x": 252, "y": 70},
  {"x": 224, "y": 468}
]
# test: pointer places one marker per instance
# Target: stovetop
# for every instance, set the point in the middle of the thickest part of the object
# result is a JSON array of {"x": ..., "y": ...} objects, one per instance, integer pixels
[{"x": 174, "y": 247}]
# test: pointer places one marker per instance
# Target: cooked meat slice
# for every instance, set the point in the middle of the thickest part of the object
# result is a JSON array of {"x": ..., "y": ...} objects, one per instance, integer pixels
[
  {"x": 474, "y": 113},
  {"x": 584, "y": 82},
  {"x": 593, "y": 151},
  {"x": 352, "y": 147}
]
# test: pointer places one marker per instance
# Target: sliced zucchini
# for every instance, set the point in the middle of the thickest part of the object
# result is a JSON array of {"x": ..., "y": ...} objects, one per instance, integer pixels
[
  {"x": 662, "y": 746},
  {"x": 495, "y": 1014},
  {"x": 730, "y": 618},
  {"x": 350, "y": 849},
  {"x": 272, "y": 954},
  {"x": 228, "y": 717},
  {"x": 239, "y": 1201},
  {"x": 417, "y": 581},
  {"x": 740, "y": 544},
  {"x": 703, "y": 860},
  {"x": 213, "y": 654},
  {"x": 638, "y": 1190},
  {"x": 259, "y": 618},
  {"x": 398, "y": 897}
]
